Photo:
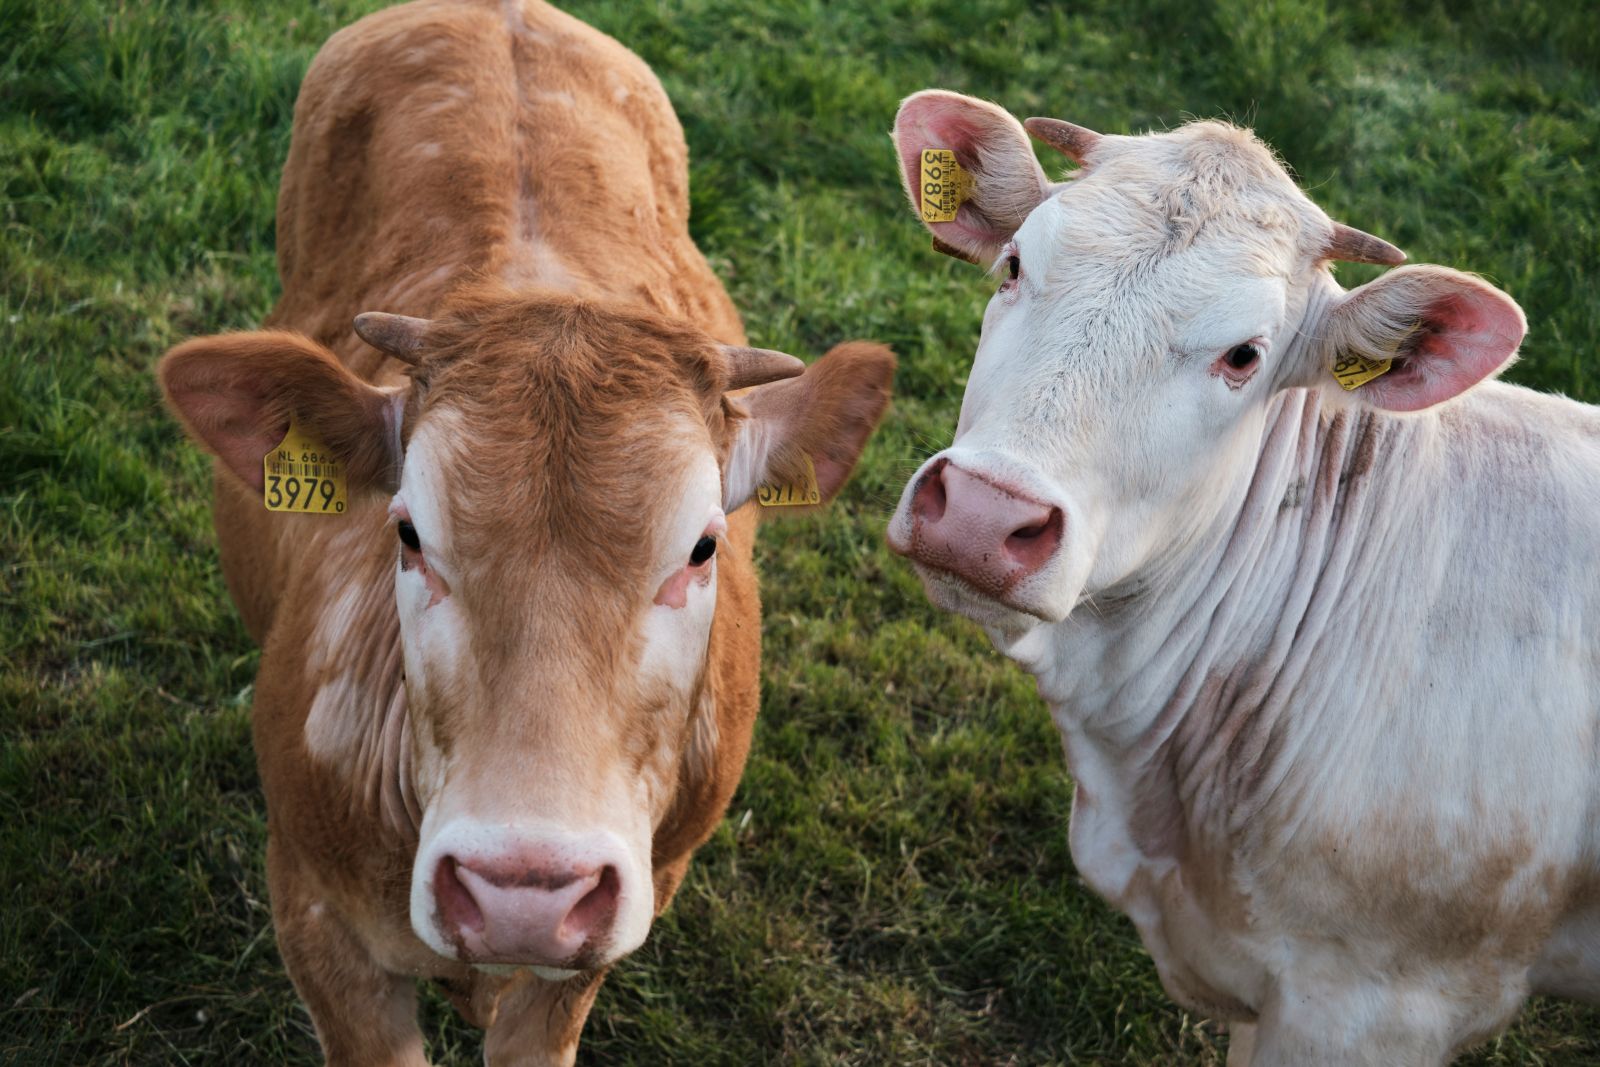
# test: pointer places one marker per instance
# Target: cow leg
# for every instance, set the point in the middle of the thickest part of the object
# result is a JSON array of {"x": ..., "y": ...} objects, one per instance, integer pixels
[
  {"x": 537, "y": 1023},
  {"x": 1569, "y": 966},
  {"x": 1241, "y": 1044},
  {"x": 1365, "y": 1026},
  {"x": 365, "y": 1016}
]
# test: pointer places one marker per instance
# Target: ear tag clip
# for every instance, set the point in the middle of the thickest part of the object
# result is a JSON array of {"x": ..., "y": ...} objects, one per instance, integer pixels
[
  {"x": 792, "y": 496},
  {"x": 945, "y": 185},
  {"x": 301, "y": 476},
  {"x": 1353, "y": 371}
]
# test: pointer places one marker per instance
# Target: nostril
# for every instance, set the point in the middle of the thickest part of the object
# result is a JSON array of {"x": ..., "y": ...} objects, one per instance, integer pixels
[
  {"x": 929, "y": 502},
  {"x": 457, "y": 908},
  {"x": 1035, "y": 543},
  {"x": 1028, "y": 533},
  {"x": 594, "y": 912}
]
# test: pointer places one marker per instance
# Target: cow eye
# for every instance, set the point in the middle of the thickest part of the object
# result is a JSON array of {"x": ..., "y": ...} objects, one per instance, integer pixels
[
  {"x": 1242, "y": 356},
  {"x": 408, "y": 535},
  {"x": 704, "y": 549},
  {"x": 1013, "y": 267}
]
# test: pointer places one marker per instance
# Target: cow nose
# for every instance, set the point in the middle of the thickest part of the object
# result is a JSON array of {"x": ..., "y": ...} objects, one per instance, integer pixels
[
  {"x": 989, "y": 535},
  {"x": 527, "y": 907}
]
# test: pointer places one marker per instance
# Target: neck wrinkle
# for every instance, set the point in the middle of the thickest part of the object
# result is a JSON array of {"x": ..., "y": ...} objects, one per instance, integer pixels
[{"x": 1207, "y": 713}]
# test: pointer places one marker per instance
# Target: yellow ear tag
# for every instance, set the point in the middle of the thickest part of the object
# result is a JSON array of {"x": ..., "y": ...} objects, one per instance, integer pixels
[
  {"x": 301, "y": 476},
  {"x": 792, "y": 496},
  {"x": 1352, "y": 372},
  {"x": 945, "y": 185}
]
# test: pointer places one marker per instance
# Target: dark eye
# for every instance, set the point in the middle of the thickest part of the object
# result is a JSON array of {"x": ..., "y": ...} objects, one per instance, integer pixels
[
  {"x": 408, "y": 535},
  {"x": 1241, "y": 356},
  {"x": 704, "y": 549},
  {"x": 1013, "y": 267}
]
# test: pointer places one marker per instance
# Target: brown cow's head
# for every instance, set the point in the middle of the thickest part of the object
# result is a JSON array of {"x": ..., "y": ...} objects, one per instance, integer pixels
[{"x": 560, "y": 474}]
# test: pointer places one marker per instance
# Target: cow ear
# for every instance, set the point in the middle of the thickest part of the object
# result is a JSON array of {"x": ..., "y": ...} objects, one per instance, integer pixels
[
  {"x": 1443, "y": 330},
  {"x": 824, "y": 416},
  {"x": 1004, "y": 181},
  {"x": 236, "y": 394}
]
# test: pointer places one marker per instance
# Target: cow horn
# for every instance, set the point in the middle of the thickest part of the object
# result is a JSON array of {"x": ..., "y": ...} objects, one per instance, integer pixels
[
  {"x": 1074, "y": 142},
  {"x": 757, "y": 366},
  {"x": 401, "y": 336},
  {"x": 1354, "y": 246}
]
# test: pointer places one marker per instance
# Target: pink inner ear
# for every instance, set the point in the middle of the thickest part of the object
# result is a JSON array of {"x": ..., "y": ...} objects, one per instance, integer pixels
[
  {"x": 932, "y": 123},
  {"x": 1462, "y": 338},
  {"x": 831, "y": 474},
  {"x": 232, "y": 426},
  {"x": 936, "y": 119}
]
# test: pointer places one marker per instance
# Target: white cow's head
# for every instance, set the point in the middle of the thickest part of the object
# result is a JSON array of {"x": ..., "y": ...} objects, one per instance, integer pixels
[
  {"x": 546, "y": 489},
  {"x": 1148, "y": 309}
]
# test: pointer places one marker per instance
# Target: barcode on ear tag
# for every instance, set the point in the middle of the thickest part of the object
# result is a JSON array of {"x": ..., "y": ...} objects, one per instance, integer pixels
[
  {"x": 792, "y": 496},
  {"x": 945, "y": 184},
  {"x": 301, "y": 476},
  {"x": 1352, "y": 372}
]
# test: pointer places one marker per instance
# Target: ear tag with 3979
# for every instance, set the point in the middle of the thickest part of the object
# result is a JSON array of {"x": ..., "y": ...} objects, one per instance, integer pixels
[
  {"x": 301, "y": 476},
  {"x": 792, "y": 496}
]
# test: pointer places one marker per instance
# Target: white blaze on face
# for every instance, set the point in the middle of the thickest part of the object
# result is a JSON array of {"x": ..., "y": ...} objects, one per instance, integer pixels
[
  {"x": 678, "y": 624},
  {"x": 433, "y": 631},
  {"x": 677, "y": 628},
  {"x": 577, "y": 802}
]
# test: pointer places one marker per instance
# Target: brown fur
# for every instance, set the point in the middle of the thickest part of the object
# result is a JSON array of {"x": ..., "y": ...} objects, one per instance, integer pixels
[
  {"x": 828, "y": 413},
  {"x": 464, "y": 162}
]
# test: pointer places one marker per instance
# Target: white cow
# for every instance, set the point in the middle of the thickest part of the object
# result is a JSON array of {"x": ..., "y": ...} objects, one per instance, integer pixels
[{"x": 1325, "y": 664}]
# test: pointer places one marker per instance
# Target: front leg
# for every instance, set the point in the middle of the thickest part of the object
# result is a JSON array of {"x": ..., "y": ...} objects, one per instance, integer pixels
[
  {"x": 1364, "y": 1024},
  {"x": 365, "y": 1016},
  {"x": 1241, "y": 1044},
  {"x": 537, "y": 1023}
]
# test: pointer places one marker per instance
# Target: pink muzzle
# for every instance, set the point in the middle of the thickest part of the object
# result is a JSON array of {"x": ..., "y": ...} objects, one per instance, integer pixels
[
  {"x": 527, "y": 907},
  {"x": 990, "y": 536}
]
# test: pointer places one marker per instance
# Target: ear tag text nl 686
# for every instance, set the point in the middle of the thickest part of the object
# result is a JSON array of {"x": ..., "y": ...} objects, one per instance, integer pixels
[
  {"x": 301, "y": 476},
  {"x": 945, "y": 185},
  {"x": 792, "y": 496}
]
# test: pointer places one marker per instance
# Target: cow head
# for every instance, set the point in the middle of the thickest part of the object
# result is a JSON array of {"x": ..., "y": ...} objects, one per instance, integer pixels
[
  {"x": 558, "y": 477},
  {"x": 1146, "y": 313}
]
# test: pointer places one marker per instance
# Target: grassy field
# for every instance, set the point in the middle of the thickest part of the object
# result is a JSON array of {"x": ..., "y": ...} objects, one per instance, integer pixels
[{"x": 892, "y": 885}]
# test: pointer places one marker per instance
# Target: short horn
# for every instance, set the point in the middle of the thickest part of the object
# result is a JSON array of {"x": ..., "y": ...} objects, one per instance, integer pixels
[
  {"x": 1074, "y": 142},
  {"x": 757, "y": 366},
  {"x": 1354, "y": 246},
  {"x": 401, "y": 336}
]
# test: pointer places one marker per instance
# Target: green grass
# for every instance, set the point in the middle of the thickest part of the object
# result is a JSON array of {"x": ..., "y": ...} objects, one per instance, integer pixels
[{"x": 893, "y": 883}]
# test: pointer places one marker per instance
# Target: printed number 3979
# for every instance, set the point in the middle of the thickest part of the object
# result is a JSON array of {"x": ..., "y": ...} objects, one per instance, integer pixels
[{"x": 300, "y": 494}]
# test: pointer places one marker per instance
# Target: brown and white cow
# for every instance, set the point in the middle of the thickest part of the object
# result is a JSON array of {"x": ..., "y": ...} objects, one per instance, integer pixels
[
  {"x": 506, "y": 693},
  {"x": 1325, "y": 663}
]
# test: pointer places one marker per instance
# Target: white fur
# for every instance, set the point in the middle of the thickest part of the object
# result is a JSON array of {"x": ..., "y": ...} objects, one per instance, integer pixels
[
  {"x": 1289, "y": 643},
  {"x": 746, "y": 467},
  {"x": 675, "y": 638}
]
